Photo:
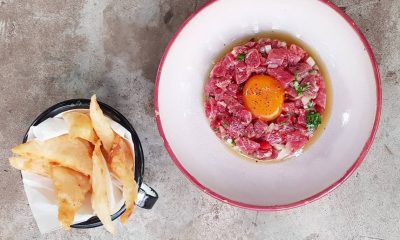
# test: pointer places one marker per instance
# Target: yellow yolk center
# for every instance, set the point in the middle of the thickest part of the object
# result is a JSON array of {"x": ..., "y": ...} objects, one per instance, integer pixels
[{"x": 263, "y": 96}]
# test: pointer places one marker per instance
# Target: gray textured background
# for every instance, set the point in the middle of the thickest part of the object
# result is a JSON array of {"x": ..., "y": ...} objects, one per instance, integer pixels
[{"x": 52, "y": 50}]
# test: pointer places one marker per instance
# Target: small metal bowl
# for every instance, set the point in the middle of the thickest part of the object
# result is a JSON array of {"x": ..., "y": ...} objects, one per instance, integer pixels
[{"x": 146, "y": 195}]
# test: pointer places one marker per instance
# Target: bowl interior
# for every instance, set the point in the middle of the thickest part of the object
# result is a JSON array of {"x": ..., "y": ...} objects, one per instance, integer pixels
[{"x": 196, "y": 149}]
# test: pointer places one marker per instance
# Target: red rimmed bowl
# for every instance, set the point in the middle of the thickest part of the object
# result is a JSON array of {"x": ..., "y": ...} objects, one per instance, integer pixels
[{"x": 206, "y": 161}]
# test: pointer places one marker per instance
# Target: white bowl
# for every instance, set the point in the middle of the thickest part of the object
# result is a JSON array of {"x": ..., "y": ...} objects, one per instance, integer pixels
[{"x": 205, "y": 160}]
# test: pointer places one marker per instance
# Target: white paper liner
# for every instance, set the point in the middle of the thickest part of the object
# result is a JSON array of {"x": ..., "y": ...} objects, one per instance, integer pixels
[{"x": 39, "y": 190}]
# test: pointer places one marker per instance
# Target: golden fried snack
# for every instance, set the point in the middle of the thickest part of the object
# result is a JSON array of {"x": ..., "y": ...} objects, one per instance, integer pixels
[
  {"x": 101, "y": 124},
  {"x": 122, "y": 164},
  {"x": 71, "y": 188},
  {"x": 38, "y": 166},
  {"x": 80, "y": 125},
  {"x": 100, "y": 191},
  {"x": 64, "y": 150}
]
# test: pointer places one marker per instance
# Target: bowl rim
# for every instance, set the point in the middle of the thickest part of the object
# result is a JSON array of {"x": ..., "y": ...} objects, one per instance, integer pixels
[{"x": 299, "y": 203}]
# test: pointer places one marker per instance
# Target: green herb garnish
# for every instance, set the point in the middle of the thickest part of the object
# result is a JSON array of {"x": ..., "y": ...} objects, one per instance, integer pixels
[
  {"x": 284, "y": 123},
  {"x": 312, "y": 72},
  {"x": 300, "y": 89},
  {"x": 241, "y": 57},
  {"x": 225, "y": 125},
  {"x": 296, "y": 77},
  {"x": 313, "y": 120},
  {"x": 310, "y": 106},
  {"x": 231, "y": 142}
]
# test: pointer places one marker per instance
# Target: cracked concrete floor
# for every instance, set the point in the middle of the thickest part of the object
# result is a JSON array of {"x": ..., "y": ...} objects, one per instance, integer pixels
[{"x": 52, "y": 50}]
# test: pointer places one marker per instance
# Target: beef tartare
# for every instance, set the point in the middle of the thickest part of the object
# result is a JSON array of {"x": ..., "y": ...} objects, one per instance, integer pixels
[{"x": 266, "y": 98}]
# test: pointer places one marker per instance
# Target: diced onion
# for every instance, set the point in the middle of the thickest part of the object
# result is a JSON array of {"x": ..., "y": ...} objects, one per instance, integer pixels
[
  {"x": 282, "y": 44},
  {"x": 221, "y": 103},
  {"x": 270, "y": 128},
  {"x": 278, "y": 146},
  {"x": 283, "y": 153},
  {"x": 229, "y": 141},
  {"x": 268, "y": 48},
  {"x": 305, "y": 100},
  {"x": 310, "y": 61}
]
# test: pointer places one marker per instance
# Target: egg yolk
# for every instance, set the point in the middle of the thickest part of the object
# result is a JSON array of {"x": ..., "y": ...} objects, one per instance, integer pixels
[{"x": 263, "y": 96}]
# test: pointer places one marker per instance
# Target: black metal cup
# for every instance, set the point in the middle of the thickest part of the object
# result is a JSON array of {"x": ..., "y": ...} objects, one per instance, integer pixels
[{"x": 146, "y": 195}]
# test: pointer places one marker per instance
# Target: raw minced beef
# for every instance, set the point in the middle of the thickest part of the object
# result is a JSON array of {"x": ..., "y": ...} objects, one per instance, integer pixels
[{"x": 305, "y": 98}]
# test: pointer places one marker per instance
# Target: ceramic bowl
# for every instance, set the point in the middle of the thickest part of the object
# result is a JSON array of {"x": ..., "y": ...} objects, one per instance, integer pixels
[{"x": 206, "y": 161}]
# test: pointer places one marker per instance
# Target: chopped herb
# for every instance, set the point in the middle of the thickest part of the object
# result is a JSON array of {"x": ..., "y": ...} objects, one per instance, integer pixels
[
  {"x": 225, "y": 125},
  {"x": 284, "y": 123},
  {"x": 313, "y": 120},
  {"x": 300, "y": 89},
  {"x": 310, "y": 106},
  {"x": 241, "y": 57},
  {"x": 231, "y": 142},
  {"x": 312, "y": 72}
]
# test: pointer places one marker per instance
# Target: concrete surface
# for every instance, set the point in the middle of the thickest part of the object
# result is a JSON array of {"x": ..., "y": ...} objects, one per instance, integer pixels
[{"x": 52, "y": 50}]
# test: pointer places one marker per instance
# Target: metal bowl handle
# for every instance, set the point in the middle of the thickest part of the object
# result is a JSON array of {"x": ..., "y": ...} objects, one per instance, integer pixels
[{"x": 147, "y": 197}]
